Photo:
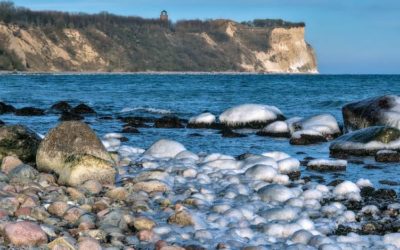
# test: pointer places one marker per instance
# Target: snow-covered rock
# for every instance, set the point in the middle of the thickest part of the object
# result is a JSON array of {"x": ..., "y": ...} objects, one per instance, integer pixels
[
  {"x": 261, "y": 172},
  {"x": 275, "y": 129},
  {"x": 250, "y": 115},
  {"x": 276, "y": 192},
  {"x": 165, "y": 149},
  {"x": 327, "y": 165},
  {"x": 204, "y": 120}
]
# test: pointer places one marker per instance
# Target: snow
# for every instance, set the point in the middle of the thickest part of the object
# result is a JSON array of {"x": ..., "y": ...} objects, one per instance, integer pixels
[
  {"x": 165, "y": 148},
  {"x": 247, "y": 113},
  {"x": 204, "y": 118},
  {"x": 299, "y": 133},
  {"x": 187, "y": 155},
  {"x": 277, "y": 127},
  {"x": 258, "y": 159},
  {"x": 261, "y": 172},
  {"x": 281, "y": 214},
  {"x": 364, "y": 183},
  {"x": 276, "y": 155},
  {"x": 326, "y": 162}
]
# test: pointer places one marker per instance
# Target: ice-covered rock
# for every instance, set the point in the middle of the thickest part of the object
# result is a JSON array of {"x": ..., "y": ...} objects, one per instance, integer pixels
[
  {"x": 377, "y": 111},
  {"x": 275, "y": 129},
  {"x": 204, "y": 120},
  {"x": 276, "y": 155},
  {"x": 346, "y": 189},
  {"x": 165, "y": 149},
  {"x": 288, "y": 165},
  {"x": 314, "y": 129},
  {"x": 392, "y": 239},
  {"x": 367, "y": 141},
  {"x": 250, "y": 115},
  {"x": 261, "y": 172},
  {"x": 327, "y": 165},
  {"x": 276, "y": 192},
  {"x": 387, "y": 156}
]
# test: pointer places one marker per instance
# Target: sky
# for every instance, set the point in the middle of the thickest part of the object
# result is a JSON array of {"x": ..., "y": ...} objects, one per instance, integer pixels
[{"x": 349, "y": 36}]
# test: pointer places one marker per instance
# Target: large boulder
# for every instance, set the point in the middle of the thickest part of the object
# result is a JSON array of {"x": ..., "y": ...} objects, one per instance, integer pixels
[
  {"x": 250, "y": 116},
  {"x": 367, "y": 141},
  {"x": 6, "y": 108},
  {"x": 378, "y": 111},
  {"x": 76, "y": 154},
  {"x": 18, "y": 141}
]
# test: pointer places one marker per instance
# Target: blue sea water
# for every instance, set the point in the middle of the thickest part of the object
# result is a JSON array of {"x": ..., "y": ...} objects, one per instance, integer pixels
[{"x": 188, "y": 95}]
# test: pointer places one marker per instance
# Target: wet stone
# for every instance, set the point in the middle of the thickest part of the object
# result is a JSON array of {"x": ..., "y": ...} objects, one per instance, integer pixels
[{"x": 29, "y": 111}]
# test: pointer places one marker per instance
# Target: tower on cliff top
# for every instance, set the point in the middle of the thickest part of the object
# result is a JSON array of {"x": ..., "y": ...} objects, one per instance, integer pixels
[{"x": 164, "y": 16}]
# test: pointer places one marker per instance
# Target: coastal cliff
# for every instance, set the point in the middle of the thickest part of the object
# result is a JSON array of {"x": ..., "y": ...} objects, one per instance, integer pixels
[{"x": 55, "y": 42}]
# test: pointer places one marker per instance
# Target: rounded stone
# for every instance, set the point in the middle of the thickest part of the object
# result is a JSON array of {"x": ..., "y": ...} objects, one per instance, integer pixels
[{"x": 25, "y": 233}]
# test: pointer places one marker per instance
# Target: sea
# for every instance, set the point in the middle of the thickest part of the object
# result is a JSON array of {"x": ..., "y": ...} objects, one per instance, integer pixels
[{"x": 187, "y": 95}]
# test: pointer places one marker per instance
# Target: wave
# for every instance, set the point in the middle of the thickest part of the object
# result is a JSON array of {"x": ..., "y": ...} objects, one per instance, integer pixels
[{"x": 147, "y": 110}]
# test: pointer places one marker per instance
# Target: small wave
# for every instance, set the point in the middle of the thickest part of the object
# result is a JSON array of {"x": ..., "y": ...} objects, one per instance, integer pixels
[{"x": 147, "y": 110}]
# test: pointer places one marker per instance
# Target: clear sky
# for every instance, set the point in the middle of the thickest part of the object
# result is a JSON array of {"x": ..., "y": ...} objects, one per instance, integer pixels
[{"x": 349, "y": 36}]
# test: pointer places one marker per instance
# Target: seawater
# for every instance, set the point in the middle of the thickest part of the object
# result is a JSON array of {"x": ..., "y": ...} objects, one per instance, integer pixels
[{"x": 186, "y": 95}]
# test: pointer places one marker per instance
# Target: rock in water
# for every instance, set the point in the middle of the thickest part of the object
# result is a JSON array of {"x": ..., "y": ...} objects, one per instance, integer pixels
[
  {"x": 29, "y": 111},
  {"x": 25, "y": 234},
  {"x": 204, "y": 120},
  {"x": 367, "y": 141},
  {"x": 83, "y": 109},
  {"x": 168, "y": 122},
  {"x": 165, "y": 148},
  {"x": 18, "y": 141},
  {"x": 5, "y": 108},
  {"x": 76, "y": 154},
  {"x": 378, "y": 111},
  {"x": 61, "y": 106},
  {"x": 250, "y": 116}
]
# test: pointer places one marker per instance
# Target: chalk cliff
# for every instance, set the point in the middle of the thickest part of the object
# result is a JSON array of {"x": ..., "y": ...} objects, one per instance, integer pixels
[{"x": 132, "y": 45}]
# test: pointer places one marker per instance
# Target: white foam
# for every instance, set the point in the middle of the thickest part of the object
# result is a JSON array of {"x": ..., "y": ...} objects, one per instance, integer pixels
[{"x": 249, "y": 113}]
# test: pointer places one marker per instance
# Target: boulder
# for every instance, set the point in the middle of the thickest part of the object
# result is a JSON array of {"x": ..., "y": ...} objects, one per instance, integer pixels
[
  {"x": 70, "y": 116},
  {"x": 130, "y": 130},
  {"x": 165, "y": 148},
  {"x": 377, "y": 111},
  {"x": 29, "y": 111},
  {"x": 229, "y": 133},
  {"x": 204, "y": 120},
  {"x": 306, "y": 137},
  {"x": 6, "y": 108},
  {"x": 250, "y": 116},
  {"x": 83, "y": 109},
  {"x": 76, "y": 154},
  {"x": 18, "y": 141},
  {"x": 168, "y": 122},
  {"x": 387, "y": 156},
  {"x": 323, "y": 165},
  {"x": 25, "y": 234},
  {"x": 275, "y": 129},
  {"x": 61, "y": 106},
  {"x": 367, "y": 141}
]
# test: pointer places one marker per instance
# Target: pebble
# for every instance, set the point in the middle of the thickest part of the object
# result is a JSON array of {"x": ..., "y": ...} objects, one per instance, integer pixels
[{"x": 25, "y": 234}]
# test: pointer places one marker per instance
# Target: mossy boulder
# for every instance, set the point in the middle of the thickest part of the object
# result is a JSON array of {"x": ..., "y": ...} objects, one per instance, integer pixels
[
  {"x": 74, "y": 152},
  {"x": 367, "y": 141},
  {"x": 19, "y": 141},
  {"x": 370, "y": 112}
]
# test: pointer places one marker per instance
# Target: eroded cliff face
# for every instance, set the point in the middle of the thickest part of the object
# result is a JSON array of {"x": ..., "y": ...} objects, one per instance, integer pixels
[{"x": 227, "y": 46}]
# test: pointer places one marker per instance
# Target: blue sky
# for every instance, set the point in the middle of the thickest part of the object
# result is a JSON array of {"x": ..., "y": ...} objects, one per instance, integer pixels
[{"x": 349, "y": 36}]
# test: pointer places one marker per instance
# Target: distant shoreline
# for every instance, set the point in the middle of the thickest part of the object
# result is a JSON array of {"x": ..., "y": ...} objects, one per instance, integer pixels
[{"x": 149, "y": 73}]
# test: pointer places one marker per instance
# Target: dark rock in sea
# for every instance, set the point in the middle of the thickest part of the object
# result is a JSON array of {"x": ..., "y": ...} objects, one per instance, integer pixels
[
  {"x": 369, "y": 112},
  {"x": 83, "y": 109},
  {"x": 18, "y": 141},
  {"x": 307, "y": 139},
  {"x": 29, "y": 111},
  {"x": 300, "y": 153},
  {"x": 317, "y": 178},
  {"x": 336, "y": 182},
  {"x": 367, "y": 192},
  {"x": 295, "y": 175},
  {"x": 204, "y": 125},
  {"x": 70, "y": 116},
  {"x": 168, "y": 122},
  {"x": 61, "y": 106},
  {"x": 271, "y": 134},
  {"x": 327, "y": 165},
  {"x": 107, "y": 118},
  {"x": 370, "y": 167},
  {"x": 389, "y": 183},
  {"x": 379, "y": 194},
  {"x": 229, "y": 133},
  {"x": 6, "y": 108},
  {"x": 387, "y": 156},
  {"x": 352, "y": 143},
  {"x": 138, "y": 122},
  {"x": 355, "y": 161},
  {"x": 195, "y": 135},
  {"x": 2, "y": 123},
  {"x": 130, "y": 130}
]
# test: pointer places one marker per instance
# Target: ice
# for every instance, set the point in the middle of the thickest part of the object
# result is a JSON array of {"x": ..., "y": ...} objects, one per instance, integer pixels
[
  {"x": 364, "y": 183},
  {"x": 247, "y": 113},
  {"x": 326, "y": 162},
  {"x": 299, "y": 133},
  {"x": 312, "y": 194},
  {"x": 276, "y": 155},
  {"x": 165, "y": 148},
  {"x": 281, "y": 214},
  {"x": 346, "y": 189},
  {"x": 204, "y": 118},
  {"x": 258, "y": 159},
  {"x": 276, "y": 192},
  {"x": 187, "y": 155},
  {"x": 261, "y": 172},
  {"x": 111, "y": 144},
  {"x": 288, "y": 165},
  {"x": 324, "y": 124},
  {"x": 302, "y": 236},
  {"x": 392, "y": 239},
  {"x": 277, "y": 127}
]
